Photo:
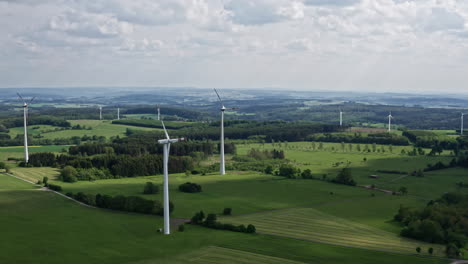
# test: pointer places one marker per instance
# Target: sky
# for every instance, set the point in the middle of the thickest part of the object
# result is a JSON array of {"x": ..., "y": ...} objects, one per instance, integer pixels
[{"x": 413, "y": 46}]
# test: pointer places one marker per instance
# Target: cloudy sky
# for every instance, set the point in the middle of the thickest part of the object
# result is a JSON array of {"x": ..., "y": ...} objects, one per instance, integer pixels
[{"x": 361, "y": 45}]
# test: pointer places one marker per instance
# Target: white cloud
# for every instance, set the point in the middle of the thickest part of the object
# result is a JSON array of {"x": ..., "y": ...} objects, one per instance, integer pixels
[
  {"x": 245, "y": 42},
  {"x": 260, "y": 12}
]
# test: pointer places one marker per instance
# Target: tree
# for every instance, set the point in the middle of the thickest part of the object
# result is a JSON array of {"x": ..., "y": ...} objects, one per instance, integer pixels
[
  {"x": 374, "y": 147},
  {"x": 314, "y": 146},
  {"x": 358, "y": 148},
  {"x": 350, "y": 147},
  {"x": 403, "y": 190},
  {"x": 227, "y": 211},
  {"x": 150, "y": 188},
  {"x": 288, "y": 170},
  {"x": 320, "y": 147},
  {"x": 210, "y": 220},
  {"x": 68, "y": 174},
  {"x": 181, "y": 228},
  {"x": 306, "y": 174},
  {"x": 45, "y": 180},
  {"x": 430, "y": 251},
  {"x": 190, "y": 187},
  {"x": 418, "y": 249},
  {"x": 251, "y": 229},
  {"x": 268, "y": 170},
  {"x": 345, "y": 177}
]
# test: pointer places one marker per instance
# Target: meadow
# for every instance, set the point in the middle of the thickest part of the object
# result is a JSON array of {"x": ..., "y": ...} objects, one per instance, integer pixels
[
  {"x": 98, "y": 128},
  {"x": 317, "y": 216},
  {"x": 52, "y": 229}
]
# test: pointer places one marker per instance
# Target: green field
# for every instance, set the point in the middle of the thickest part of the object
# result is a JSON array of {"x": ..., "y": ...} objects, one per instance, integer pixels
[
  {"x": 313, "y": 225},
  {"x": 99, "y": 128},
  {"x": 292, "y": 215},
  {"x": 51, "y": 229},
  {"x": 10, "y": 183},
  {"x": 18, "y": 152}
]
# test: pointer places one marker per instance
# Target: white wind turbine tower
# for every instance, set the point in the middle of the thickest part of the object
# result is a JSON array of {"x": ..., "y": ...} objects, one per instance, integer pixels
[
  {"x": 166, "y": 147},
  {"x": 390, "y": 117},
  {"x": 100, "y": 112},
  {"x": 222, "y": 167},
  {"x": 341, "y": 117},
  {"x": 159, "y": 113},
  {"x": 462, "y": 126},
  {"x": 118, "y": 113},
  {"x": 25, "y": 116}
]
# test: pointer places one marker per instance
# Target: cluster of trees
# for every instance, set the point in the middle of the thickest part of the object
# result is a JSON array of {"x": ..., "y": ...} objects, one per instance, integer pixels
[
  {"x": 168, "y": 110},
  {"x": 211, "y": 222},
  {"x": 371, "y": 138},
  {"x": 134, "y": 204},
  {"x": 269, "y": 131},
  {"x": 150, "y": 123},
  {"x": 145, "y": 143},
  {"x": 190, "y": 187},
  {"x": 344, "y": 177},
  {"x": 442, "y": 221},
  {"x": 35, "y": 120},
  {"x": 265, "y": 154}
]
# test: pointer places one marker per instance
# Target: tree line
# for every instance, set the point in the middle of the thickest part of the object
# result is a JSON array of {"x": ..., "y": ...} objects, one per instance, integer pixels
[{"x": 444, "y": 220}]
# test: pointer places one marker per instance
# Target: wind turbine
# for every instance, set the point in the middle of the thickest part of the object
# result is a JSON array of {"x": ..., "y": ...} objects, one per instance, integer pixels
[
  {"x": 462, "y": 126},
  {"x": 222, "y": 169},
  {"x": 25, "y": 115},
  {"x": 118, "y": 113},
  {"x": 341, "y": 117},
  {"x": 100, "y": 112},
  {"x": 159, "y": 113},
  {"x": 166, "y": 147},
  {"x": 390, "y": 117}
]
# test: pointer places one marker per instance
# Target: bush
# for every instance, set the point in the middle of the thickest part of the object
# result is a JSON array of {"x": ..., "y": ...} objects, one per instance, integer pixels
[
  {"x": 251, "y": 229},
  {"x": 345, "y": 177},
  {"x": 227, "y": 211},
  {"x": 45, "y": 180},
  {"x": 307, "y": 174},
  {"x": 189, "y": 187},
  {"x": 182, "y": 228},
  {"x": 68, "y": 174},
  {"x": 54, "y": 187},
  {"x": 150, "y": 188}
]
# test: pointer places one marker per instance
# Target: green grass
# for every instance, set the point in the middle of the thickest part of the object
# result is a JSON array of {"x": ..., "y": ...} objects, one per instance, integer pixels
[
  {"x": 8, "y": 183},
  {"x": 311, "y": 224},
  {"x": 42, "y": 227},
  {"x": 36, "y": 174},
  {"x": 99, "y": 128},
  {"x": 215, "y": 255},
  {"x": 18, "y": 151}
]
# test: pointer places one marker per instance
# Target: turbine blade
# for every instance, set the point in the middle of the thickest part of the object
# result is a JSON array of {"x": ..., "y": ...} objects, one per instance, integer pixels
[
  {"x": 32, "y": 99},
  {"x": 219, "y": 98},
  {"x": 165, "y": 131},
  {"x": 21, "y": 97}
]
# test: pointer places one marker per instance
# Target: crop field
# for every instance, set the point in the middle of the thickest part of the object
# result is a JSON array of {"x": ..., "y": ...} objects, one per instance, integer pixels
[{"x": 313, "y": 225}]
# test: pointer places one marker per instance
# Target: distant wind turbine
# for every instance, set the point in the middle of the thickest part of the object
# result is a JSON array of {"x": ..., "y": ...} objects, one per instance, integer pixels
[
  {"x": 100, "y": 112},
  {"x": 159, "y": 113},
  {"x": 390, "y": 117},
  {"x": 341, "y": 117},
  {"x": 222, "y": 169},
  {"x": 166, "y": 147},
  {"x": 25, "y": 116},
  {"x": 462, "y": 126},
  {"x": 118, "y": 113}
]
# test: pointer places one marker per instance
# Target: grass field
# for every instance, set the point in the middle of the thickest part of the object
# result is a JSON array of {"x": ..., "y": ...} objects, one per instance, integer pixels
[
  {"x": 46, "y": 228},
  {"x": 99, "y": 128},
  {"x": 10, "y": 183},
  {"x": 311, "y": 224},
  {"x": 18, "y": 152}
]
